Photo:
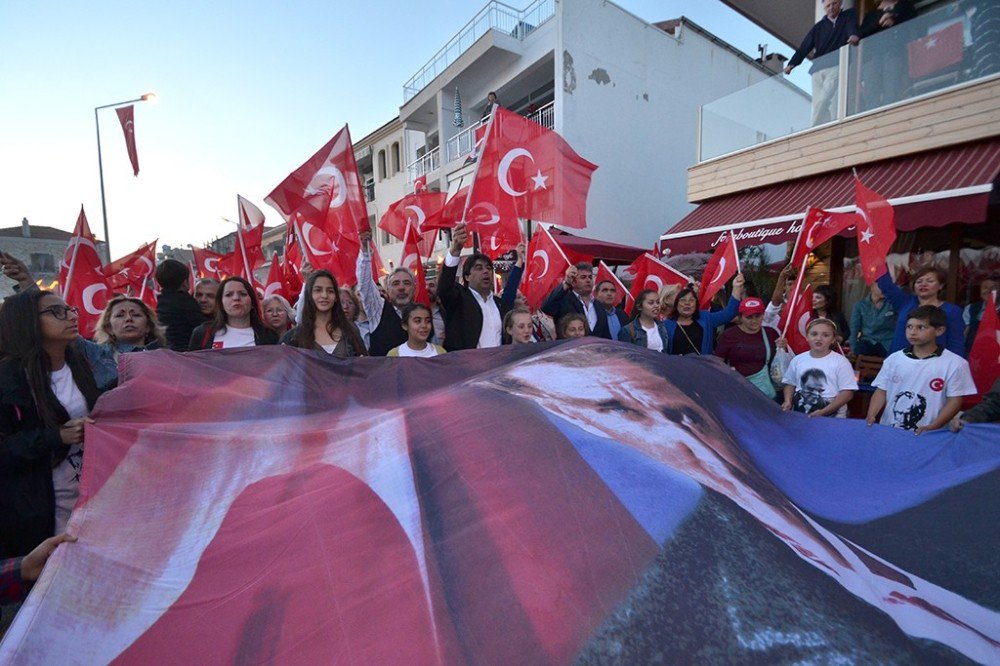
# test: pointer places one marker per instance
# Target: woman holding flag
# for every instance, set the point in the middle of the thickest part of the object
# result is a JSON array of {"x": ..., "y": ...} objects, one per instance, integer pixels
[
  {"x": 927, "y": 285},
  {"x": 692, "y": 331}
]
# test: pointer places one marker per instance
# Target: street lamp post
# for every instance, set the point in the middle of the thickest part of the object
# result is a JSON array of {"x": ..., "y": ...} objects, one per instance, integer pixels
[{"x": 100, "y": 163}]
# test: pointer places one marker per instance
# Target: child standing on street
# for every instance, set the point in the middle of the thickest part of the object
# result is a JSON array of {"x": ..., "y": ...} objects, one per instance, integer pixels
[{"x": 819, "y": 382}]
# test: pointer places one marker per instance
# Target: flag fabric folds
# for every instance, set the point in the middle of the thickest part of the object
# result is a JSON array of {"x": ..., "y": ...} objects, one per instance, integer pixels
[
  {"x": 275, "y": 284},
  {"x": 412, "y": 260},
  {"x": 82, "y": 282},
  {"x": 133, "y": 269},
  {"x": 527, "y": 171},
  {"x": 651, "y": 273},
  {"x": 126, "y": 116},
  {"x": 206, "y": 263},
  {"x": 423, "y": 210},
  {"x": 723, "y": 265},
  {"x": 818, "y": 227},
  {"x": 546, "y": 266},
  {"x": 621, "y": 293},
  {"x": 984, "y": 356},
  {"x": 795, "y": 316},
  {"x": 876, "y": 229},
  {"x": 492, "y": 507}
]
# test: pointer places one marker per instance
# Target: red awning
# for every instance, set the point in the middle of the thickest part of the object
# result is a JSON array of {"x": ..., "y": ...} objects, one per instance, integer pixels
[
  {"x": 929, "y": 189},
  {"x": 611, "y": 253}
]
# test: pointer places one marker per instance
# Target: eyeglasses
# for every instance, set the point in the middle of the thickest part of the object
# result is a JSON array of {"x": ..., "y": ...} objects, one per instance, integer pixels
[{"x": 60, "y": 312}]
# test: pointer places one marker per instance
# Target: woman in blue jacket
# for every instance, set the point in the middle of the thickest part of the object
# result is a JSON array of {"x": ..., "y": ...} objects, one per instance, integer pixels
[
  {"x": 645, "y": 329},
  {"x": 927, "y": 285},
  {"x": 692, "y": 331}
]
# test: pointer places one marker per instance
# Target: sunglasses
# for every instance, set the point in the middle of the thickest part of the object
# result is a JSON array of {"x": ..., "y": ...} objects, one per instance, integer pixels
[{"x": 60, "y": 312}]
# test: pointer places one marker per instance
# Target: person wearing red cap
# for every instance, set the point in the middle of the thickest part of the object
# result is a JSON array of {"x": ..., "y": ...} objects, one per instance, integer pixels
[{"x": 749, "y": 346}]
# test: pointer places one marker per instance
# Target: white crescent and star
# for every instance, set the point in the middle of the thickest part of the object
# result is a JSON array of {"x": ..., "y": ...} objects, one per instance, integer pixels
[
  {"x": 307, "y": 227},
  {"x": 410, "y": 261},
  {"x": 503, "y": 175},
  {"x": 803, "y": 321},
  {"x": 655, "y": 279},
  {"x": 326, "y": 181},
  {"x": 212, "y": 264},
  {"x": 271, "y": 289},
  {"x": 719, "y": 271},
  {"x": 545, "y": 262},
  {"x": 89, "y": 293}
]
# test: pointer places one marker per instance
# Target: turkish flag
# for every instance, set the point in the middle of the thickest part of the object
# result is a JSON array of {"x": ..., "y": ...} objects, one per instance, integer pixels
[
  {"x": 378, "y": 266},
  {"x": 651, "y": 273},
  {"x": 147, "y": 294},
  {"x": 876, "y": 227},
  {"x": 83, "y": 284},
  {"x": 339, "y": 257},
  {"x": 420, "y": 184},
  {"x": 984, "y": 357},
  {"x": 605, "y": 274},
  {"x": 423, "y": 210},
  {"x": 133, "y": 268},
  {"x": 546, "y": 266},
  {"x": 326, "y": 192},
  {"x": 249, "y": 236},
  {"x": 126, "y": 118},
  {"x": 275, "y": 282},
  {"x": 794, "y": 318},
  {"x": 291, "y": 261},
  {"x": 818, "y": 227},
  {"x": 411, "y": 259},
  {"x": 527, "y": 171},
  {"x": 206, "y": 263},
  {"x": 724, "y": 264},
  {"x": 938, "y": 50}
]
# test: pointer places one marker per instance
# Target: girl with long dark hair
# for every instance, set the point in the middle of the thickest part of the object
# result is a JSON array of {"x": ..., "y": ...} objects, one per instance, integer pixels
[
  {"x": 324, "y": 326},
  {"x": 46, "y": 393},
  {"x": 237, "y": 321}
]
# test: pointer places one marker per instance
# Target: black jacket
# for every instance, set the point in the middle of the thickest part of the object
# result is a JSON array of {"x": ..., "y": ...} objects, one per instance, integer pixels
[
  {"x": 562, "y": 302},
  {"x": 204, "y": 336},
  {"x": 826, "y": 37},
  {"x": 388, "y": 334},
  {"x": 178, "y": 312},
  {"x": 27, "y": 450},
  {"x": 463, "y": 317}
]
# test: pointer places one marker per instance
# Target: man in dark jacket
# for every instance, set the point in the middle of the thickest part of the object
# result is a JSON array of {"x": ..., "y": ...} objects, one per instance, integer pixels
[
  {"x": 473, "y": 314},
  {"x": 176, "y": 309},
  {"x": 576, "y": 296},
  {"x": 606, "y": 296},
  {"x": 837, "y": 28}
]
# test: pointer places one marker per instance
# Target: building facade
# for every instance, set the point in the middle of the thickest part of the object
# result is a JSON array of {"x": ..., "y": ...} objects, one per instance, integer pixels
[{"x": 40, "y": 248}]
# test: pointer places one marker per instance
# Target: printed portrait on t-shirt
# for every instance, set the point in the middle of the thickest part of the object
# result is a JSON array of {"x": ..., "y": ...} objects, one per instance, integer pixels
[
  {"x": 908, "y": 409},
  {"x": 809, "y": 393}
]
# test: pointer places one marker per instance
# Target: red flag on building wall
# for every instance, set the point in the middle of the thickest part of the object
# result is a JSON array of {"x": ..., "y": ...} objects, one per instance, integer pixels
[
  {"x": 984, "y": 357},
  {"x": 126, "y": 118},
  {"x": 546, "y": 266},
  {"x": 724, "y": 264},
  {"x": 937, "y": 51},
  {"x": 82, "y": 283},
  {"x": 651, "y": 273},
  {"x": 876, "y": 227}
]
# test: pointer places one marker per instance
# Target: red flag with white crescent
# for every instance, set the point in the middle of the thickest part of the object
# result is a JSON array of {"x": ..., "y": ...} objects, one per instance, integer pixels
[
  {"x": 323, "y": 252},
  {"x": 723, "y": 265},
  {"x": 126, "y": 116},
  {"x": 83, "y": 284},
  {"x": 275, "y": 282},
  {"x": 411, "y": 260},
  {"x": 546, "y": 265},
  {"x": 423, "y": 210},
  {"x": 651, "y": 273},
  {"x": 206, "y": 263},
  {"x": 133, "y": 268},
  {"x": 876, "y": 230},
  {"x": 794, "y": 318},
  {"x": 605, "y": 274},
  {"x": 818, "y": 227},
  {"x": 526, "y": 171}
]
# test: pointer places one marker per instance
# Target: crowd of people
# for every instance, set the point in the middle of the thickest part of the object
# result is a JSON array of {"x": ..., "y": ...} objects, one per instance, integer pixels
[{"x": 51, "y": 377}]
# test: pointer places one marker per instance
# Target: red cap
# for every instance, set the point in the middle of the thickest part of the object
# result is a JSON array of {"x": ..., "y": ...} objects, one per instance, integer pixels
[{"x": 751, "y": 306}]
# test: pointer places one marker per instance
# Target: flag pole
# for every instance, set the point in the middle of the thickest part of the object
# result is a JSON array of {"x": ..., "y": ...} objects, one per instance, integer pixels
[
  {"x": 798, "y": 236},
  {"x": 732, "y": 237},
  {"x": 795, "y": 294},
  {"x": 239, "y": 238}
]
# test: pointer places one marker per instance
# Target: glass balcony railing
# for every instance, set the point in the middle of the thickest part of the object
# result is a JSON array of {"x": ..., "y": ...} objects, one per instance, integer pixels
[
  {"x": 494, "y": 16},
  {"x": 947, "y": 46}
]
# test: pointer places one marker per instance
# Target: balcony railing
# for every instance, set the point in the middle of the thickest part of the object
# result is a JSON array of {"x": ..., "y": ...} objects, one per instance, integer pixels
[
  {"x": 545, "y": 116},
  {"x": 494, "y": 16},
  {"x": 945, "y": 47},
  {"x": 424, "y": 164}
]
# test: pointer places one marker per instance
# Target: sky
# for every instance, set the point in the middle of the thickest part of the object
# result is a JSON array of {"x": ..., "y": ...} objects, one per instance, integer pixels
[{"x": 246, "y": 92}]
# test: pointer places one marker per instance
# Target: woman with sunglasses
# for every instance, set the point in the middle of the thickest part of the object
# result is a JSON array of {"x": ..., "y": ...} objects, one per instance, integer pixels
[
  {"x": 46, "y": 393},
  {"x": 237, "y": 320}
]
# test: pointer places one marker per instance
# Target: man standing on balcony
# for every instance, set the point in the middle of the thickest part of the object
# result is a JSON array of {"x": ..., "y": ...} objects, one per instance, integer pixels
[{"x": 837, "y": 28}]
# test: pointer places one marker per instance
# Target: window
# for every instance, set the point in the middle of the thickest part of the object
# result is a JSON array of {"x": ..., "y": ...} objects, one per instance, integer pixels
[
  {"x": 381, "y": 165},
  {"x": 395, "y": 158},
  {"x": 42, "y": 263}
]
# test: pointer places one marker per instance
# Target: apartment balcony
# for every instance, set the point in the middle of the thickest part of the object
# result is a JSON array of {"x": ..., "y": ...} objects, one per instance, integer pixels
[
  {"x": 928, "y": 83},
  {"x": 424, "y": 165},
  {"x": 465, "y": 141},
  {"x": 495, "y": 16}
]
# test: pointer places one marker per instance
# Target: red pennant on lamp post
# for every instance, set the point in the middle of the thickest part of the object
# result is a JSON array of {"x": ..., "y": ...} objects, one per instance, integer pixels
[{"x": 126, "y": 118}]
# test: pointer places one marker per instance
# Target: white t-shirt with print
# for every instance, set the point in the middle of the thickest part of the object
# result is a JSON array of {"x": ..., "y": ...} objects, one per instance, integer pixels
[
  {"x": 817, "y": 381},
  {"x": 917, "y": 388},
  {"x": 234, "y": 337},
  {"x": 430, "y": 351},
  {"x": 66, "y": 475}
]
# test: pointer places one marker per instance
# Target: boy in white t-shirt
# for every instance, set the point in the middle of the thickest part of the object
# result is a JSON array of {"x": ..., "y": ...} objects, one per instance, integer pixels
[{"x": 921, "y": 387}]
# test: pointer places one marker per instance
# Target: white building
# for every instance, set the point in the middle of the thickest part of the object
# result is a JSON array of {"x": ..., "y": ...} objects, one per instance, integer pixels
[{"x": 624, "y": 93}]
